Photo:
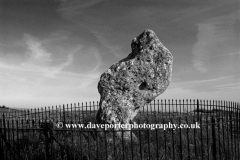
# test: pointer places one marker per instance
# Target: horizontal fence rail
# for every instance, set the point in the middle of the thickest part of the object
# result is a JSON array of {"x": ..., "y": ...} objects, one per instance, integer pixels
[{"x": 205, "y": 129}]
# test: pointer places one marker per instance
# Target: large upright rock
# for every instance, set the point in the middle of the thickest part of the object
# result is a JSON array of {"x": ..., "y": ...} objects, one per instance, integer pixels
[{"x": 134, "y": 81}]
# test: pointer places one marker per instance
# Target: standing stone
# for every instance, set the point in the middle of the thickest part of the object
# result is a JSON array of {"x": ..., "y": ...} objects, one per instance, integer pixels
[{"x": 134, "y": 81}]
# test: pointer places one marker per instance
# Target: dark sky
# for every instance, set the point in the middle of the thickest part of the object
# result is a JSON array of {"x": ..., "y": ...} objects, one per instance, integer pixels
[{"x": 53, "y": 52}]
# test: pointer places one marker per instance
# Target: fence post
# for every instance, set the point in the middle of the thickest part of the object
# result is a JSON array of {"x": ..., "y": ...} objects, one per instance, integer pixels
[
  {"x": 3, "y": 132},
  {"x": 214, "y": 146},
  {"x": 46, "y": 143},
  {"x": 47, "y": 133},
  {"x": 198, "y": 110},
  {"x": 64, "y": 119}
]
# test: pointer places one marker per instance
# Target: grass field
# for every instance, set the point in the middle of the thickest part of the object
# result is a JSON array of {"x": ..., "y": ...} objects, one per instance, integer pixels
[{"x": 152, "y": 144}]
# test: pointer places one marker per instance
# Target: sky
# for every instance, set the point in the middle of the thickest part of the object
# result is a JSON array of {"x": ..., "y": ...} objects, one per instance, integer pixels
[{"x": 53, "y": 52}]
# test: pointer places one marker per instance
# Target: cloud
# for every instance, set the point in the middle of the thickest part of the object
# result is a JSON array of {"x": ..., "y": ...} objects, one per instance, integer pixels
[
  {"x": 215, "y": 38},
  {"x": 230, "y": 54},
  {"x": 98, "y": 59},
  {"x": 181, "y": 93},
  {"x": 100, "y": 35},
  {"x": 75, "y": 7},
  {"x": 205, "y": 38},
  {"x": 230, "y": 86},
  {"x": 94, "y": 24},
  {"x": 221, "y": 88},
  {"x": 202, "y": 81},
  {"x": 42, "y": 79},
  {"x": 89, "y": 3},
  {"x": 205, "y": 85},
  {"x": 57, "y": 36},
  {"x": 37, "y": 54},
  {"x": 211, "y": 80},
  {"x": 39, "y": 59}
]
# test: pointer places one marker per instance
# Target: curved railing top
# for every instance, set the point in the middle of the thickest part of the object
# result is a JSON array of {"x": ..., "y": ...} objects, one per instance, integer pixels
[{"x": 156, "y": 106}]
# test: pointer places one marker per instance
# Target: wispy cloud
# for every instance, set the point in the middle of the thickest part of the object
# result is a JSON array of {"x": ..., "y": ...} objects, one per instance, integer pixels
[
  {"x": 177, "y": 80},
  {"x": 115, "y": 49},
  {"x": 200, "y": 50},
  {"x": 205, "y": 85},
  {"x": 212, "y": 80},
  {"x": 39, "y": 59},
  {"x": 73, "y": 7},
  {"x": 211, "y": 40},
  {"x": 229, "y": 54},
  {"x": 38, "y": 77},
  {"x": 37, "y": 52},
  {"x": 231, "y": 86}
]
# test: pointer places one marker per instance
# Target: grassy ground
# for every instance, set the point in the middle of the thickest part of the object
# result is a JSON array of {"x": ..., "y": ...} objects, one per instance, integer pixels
[{"x": 152, "y": 144}]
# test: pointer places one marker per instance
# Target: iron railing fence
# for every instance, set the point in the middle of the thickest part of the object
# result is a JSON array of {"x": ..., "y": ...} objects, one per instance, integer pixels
[
  {"x": 172, "y": 107},
  {"x": 211, "y": 131}
]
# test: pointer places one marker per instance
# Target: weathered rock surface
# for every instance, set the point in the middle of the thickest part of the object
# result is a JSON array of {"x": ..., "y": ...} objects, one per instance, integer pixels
[{"x": 134, "y": 81}]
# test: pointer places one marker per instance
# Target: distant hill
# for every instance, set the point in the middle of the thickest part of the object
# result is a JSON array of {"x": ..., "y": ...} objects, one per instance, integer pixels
[{"x": 6, "y": 110}]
